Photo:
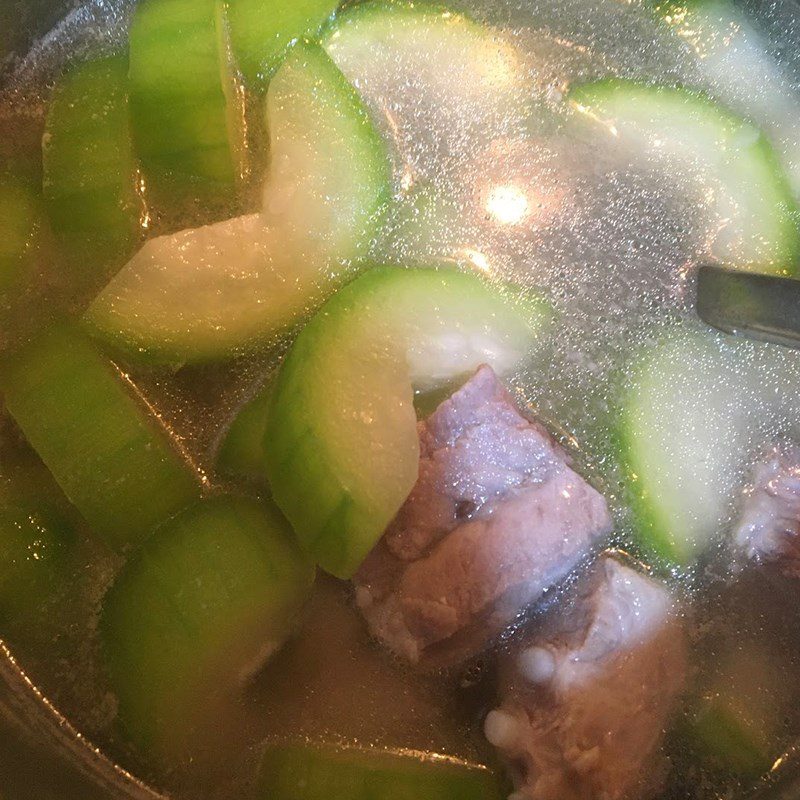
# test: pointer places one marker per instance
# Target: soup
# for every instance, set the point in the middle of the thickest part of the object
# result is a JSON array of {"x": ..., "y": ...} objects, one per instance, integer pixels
[{"x": 359, "y": 432}]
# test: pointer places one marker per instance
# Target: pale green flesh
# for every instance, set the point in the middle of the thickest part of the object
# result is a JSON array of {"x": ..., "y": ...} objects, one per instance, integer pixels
[
  {"x": 751, "y": 201},
  {"x": 195, "y": 611},
  {"x": 421, "y": 69},
  {"x": 683, "y": 433},
  {"x": 167, "y": 302},
  {"x": 208, "y": 293},
  {"x": 262, "y": 29},
  {"x": 740, "y": 71},
  {"x": 184, "y": 105},
  {"x": 341, "y": 443},
  {"x": 329, "y": 172}
]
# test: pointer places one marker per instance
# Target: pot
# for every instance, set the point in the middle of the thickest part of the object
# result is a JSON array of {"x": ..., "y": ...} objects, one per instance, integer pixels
[{"x": 42, "y": 756}]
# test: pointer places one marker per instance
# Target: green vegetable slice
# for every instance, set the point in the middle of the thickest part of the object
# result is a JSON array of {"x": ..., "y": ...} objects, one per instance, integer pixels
[
  {"x": 90, "y": 173},
  {"x": 261, "y": 30},
  {"x": 208, "y": 598},
  {"x": 730, "y": 740},
  {"x": 242, "y": 449},
  {"x": 208, "y": 293},
  {"x": 737, "y": 724},
  {"x": 186, "y": 110},
  {"x": 20, "y": 219},
  {"x": 109, "y": 453},
  {"x": 341, "y": 444},
  {"x": 683, "y": 432},
  {"x": 36, "y": 535},
  {"x": 329, "y": 174},
  {"x": 738, "y": 68},
  {"x": 319, "y": 772},
  {"x": 731, "y": 159},
  {"x": 434, "y": 80}
]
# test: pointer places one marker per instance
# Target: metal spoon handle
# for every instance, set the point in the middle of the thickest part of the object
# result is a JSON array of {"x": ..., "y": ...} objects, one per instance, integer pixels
[{"x": 763, "y": 307}]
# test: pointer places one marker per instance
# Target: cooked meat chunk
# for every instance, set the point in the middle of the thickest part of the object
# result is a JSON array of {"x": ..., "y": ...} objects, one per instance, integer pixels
[
  {"x": 769, "y": 528},
  {"x": 585, "y": 702},
  {"x": 497, "y": 517}
]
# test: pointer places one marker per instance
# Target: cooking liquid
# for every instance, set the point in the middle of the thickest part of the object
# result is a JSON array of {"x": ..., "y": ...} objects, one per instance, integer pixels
[{"x": 610, "y": 244}]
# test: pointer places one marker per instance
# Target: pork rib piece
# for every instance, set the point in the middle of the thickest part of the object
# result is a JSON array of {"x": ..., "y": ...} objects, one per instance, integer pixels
[
  {"x": 497, "y": 517},
  {"x": 769, "y": 527},
  {"x": 585, "y": 702}
]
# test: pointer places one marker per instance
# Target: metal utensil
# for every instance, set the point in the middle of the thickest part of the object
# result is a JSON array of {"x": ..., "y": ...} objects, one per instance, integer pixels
[{"x": 763, "y": 307}]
